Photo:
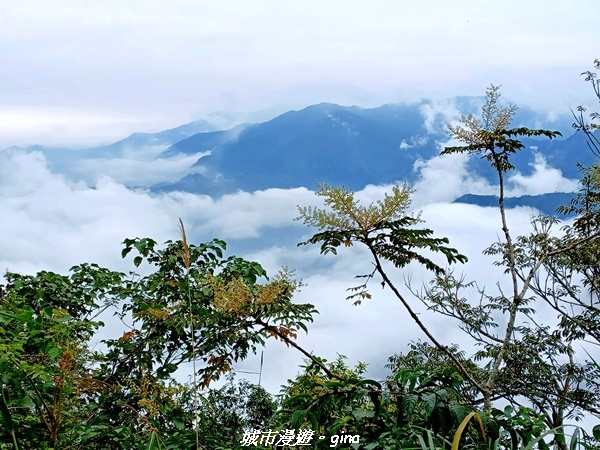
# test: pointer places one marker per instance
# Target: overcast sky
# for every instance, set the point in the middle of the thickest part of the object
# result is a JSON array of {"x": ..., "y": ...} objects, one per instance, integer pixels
[{"x": 79, "y": 72}]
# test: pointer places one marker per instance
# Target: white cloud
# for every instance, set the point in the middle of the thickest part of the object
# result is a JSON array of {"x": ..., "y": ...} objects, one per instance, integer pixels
[
  {"x": 245, "y": 215},
  {"x": 437, "y": 114},
  {"x": 55, "y": 223},
  {"x": 59, "y": 125},
  {"x": 414, "y": 141},
  {"x": 444, "y": 178},
  {"x": 62, "y": 222},
  {"x": 50, "y": 223},
  {"x": 543, "y": 180},
  {"x": 140, "y": 171}
]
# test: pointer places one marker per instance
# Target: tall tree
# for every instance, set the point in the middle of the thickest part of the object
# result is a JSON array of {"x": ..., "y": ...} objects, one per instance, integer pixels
[{"x": 385, "y": 230}]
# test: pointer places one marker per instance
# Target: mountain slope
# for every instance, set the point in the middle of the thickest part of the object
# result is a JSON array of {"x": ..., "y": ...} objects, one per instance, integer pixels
[
  {"x": 546, "y": 203},
  {"x": 349, "y": 146},
  {"x": 139, "y": 141},
  {"x": 344, "y": 145}
]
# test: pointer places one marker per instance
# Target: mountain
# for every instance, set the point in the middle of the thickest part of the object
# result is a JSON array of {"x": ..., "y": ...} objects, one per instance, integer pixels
[
  {"x": 347, "y": 145},
  {"x": 137, "y": 141},
  {"x": 195, "y": 183},
  {"x": 67, "y": 160},
  {"x": 546, "y": 203},
  {"x": 202, "y": 142},
  {"x": 344, "y": 145}
]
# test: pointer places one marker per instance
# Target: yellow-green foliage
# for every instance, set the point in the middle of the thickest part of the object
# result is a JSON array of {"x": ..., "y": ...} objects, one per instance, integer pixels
[
  {"x": 346, "y": 213},
  {"x": 238, "y": 297},
  {"x": 493, "y": 119}
]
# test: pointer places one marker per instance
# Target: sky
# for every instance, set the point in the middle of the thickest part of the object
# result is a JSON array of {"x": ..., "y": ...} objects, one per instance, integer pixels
[{"x": 79, "y": 73}]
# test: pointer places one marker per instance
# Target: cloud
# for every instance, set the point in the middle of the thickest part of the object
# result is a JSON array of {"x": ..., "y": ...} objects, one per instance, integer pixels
[
  {"x": 52, "y": 223},
  {"x": 61, "y": 221},
  {"x": 444, "y": 178},
  {"x": 245, "y": 215},
  {"x": 139, "y": 169},
  {"x": 55, "y": 223},
  {"x": 543, "y": 180},
  {"x": 414, "y": 141},
  {"x": 436, "y": 114},
  {"x": 187, "y": 58},
  {"x": 59, "y": 125}
]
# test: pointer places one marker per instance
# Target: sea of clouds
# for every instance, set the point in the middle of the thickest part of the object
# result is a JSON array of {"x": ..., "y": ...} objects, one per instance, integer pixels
[{"x": 52, "y": 221}]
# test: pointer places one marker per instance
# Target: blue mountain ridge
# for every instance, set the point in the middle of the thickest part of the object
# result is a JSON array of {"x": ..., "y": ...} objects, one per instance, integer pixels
[
  {"x": 348, "y": 146},
  {"x": 64, "y": 159},
  {"x": 546, "y": 204},
  {"x": 161, "y": 138},
  {"x": 344, "y": 145}
]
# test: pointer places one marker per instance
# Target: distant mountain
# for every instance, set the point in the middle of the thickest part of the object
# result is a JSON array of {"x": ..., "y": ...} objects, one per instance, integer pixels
[
  {"x": 202, "y": 142},
  {"x": 348, "y": 146},
  {"x": 65, "y": 160},
  {"x": 562, "y": 153},
  {"x": 194, "y": 183},
  {"x": 546, "y": 203},
  {"x": 163, "y": 138},
  {"x": 344, "y": 145},
  {"x": 143, "y": 140}
]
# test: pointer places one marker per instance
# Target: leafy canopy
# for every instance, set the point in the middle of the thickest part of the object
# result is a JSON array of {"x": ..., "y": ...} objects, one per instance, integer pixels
[
  {"x": 346, "y": 213},
  {"x": 489, "y": 135},
  {"x": 385, "y": 227}
]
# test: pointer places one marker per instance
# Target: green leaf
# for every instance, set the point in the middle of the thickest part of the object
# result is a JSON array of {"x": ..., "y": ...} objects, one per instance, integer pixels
[
  {"x": 596, "y": 432},
  {"x": 457, "y": 412},
  {"x": 125, "y": 251},
  {"x": 5, "y": 317},
  {"x": 140, "y": 246},
  {"x": 361, "y": 414},
  {"x": 25, "y": 402},
  {"x": 54, "y": 353},
  {"x": 298, "y": 418},
  {"x": 574, "y": 444},
  {"x": 409, "y": 404},
  {"x": 430, "y": 401},
  {"x": 5, "y": 413}
]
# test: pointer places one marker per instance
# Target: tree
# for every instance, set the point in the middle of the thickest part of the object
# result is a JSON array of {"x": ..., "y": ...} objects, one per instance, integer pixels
[
  {"x": 226, "y": 412},
  {"x": 414, "y": 404},
  {"x": 574, "y": 291},
  {"x": 590, "y": 128},
  {"x": 386, "y": 229},
  {"x": 524, "y": 260},
  {"x": 391, "y": 239},
  {"x": 385, "y": 232},
  {"x": 196, "y": 306}
]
